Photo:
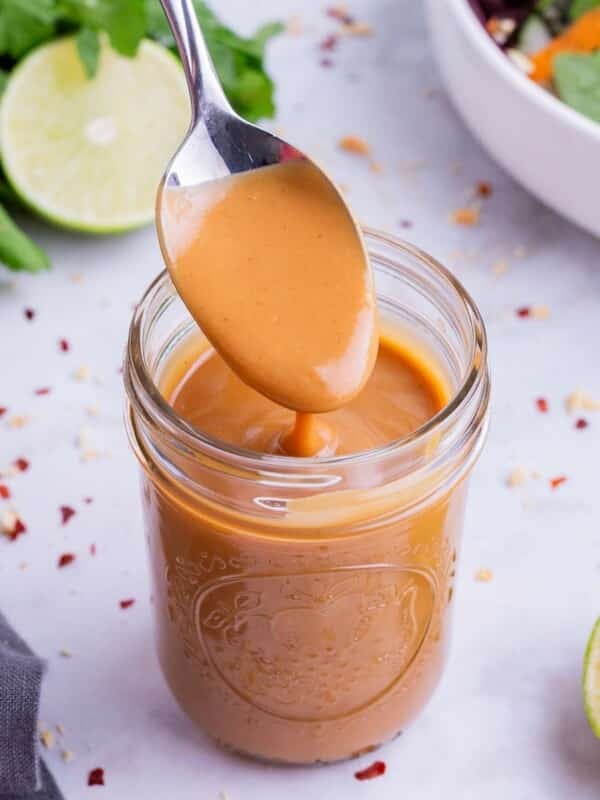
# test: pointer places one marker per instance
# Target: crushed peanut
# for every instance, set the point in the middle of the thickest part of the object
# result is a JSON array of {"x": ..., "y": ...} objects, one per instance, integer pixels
[
  {"x": 357, "y": 29},
  {"x": 465, "y": 216},
  {"x": 67, "y": 756},
  {"x": 484, "y": 575},
  {"x": 85, "y": 444},
  {"x": 517, "y": 477},
  {"x": 47, "y": 739},
  {"x": 354, "y": 144},
  {"x": 82, "y": 373},
  {"x": 500, "y": 267},
  {"x": 59, "y": 729},
  {"x": 540, "y": 312},
  {"x": 581, "y": 400},
  {"x": 64, "y": 653},
  {"x": 8, "y": 521},
  {"x": 92, "y": 410},
  {"x": 19, "y": 421}
]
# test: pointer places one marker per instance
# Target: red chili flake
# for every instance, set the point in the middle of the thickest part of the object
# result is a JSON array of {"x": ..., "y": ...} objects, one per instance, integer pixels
[
  {"x": 329, "y": 43},
  {"x": 92, "y": 549},
  {"x": 3, "y": 410},
  {"x": 340, "y": 15},
  {"x": 96, "y": 777},
  {"x": 88, "y": 500},
  {"x": 126, "y": 603},
  {"x": 43, "y": 390},
  {"x": 29, "y": 313},
  {"x": 581, "y": 424},
  {"x": 542, "y": 405},
  {"x": 484, "y": 189},
  {"x": 556, "y": 482},
  {"x": 4, "y": 491},
  {"x": 326, "y": 62},
  {"x": 19, "y": 528},
  {"x": 376, "y": 769},
  {"x": 21, "y": 464},
  {"x": 63, "y": 345},
  {"x": 66, "y": 559},
  {"x": 66, "y": 512},
  {"x": 524, "y": 311}
]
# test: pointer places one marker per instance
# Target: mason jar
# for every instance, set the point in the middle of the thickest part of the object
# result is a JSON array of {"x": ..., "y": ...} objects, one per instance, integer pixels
[{"x": 303, "y": 606}]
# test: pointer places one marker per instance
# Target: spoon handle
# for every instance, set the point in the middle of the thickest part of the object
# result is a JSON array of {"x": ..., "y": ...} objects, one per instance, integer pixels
[{"x": 203, "y": 83}]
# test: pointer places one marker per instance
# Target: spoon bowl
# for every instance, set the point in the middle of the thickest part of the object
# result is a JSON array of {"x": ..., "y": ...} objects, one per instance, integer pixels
[{"x": 263, "y": 249}]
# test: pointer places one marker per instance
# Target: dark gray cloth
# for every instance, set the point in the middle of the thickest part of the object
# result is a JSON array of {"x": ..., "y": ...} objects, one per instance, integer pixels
[{"x": 22, "y": 773}]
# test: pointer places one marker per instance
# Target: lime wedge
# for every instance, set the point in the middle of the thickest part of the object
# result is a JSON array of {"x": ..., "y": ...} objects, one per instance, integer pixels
[
  {"x": 591, "y": 679},
  {"x": 88, "y": 154}
]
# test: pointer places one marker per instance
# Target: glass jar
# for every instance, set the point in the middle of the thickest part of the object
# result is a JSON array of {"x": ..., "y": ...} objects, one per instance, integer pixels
[{"x": 302, "y": 605}]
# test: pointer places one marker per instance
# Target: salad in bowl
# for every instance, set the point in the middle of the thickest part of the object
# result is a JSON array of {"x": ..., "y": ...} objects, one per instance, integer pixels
[{"x": 556, "y": 43}]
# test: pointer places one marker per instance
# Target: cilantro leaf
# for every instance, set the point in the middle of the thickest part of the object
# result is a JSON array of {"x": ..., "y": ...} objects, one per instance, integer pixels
[
  {"x": 239, "y": 61},
  {"x": 88, "y": 47},
  {"x": 17, "y": 251},
  {"x": 580, "y": 7},
  {"x": 124, "y": 22},
  {"x": 25, "y": 24},
  {"x": 577, "y": 81}
]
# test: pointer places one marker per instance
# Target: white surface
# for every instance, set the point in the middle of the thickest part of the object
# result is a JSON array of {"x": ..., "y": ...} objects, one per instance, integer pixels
[
  {"x": 507, "y": 721},
  {"x": 550, "y": 148}
]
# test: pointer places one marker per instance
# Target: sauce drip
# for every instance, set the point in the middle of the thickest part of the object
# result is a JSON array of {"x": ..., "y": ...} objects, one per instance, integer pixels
[{"x": 404, "y": 391}]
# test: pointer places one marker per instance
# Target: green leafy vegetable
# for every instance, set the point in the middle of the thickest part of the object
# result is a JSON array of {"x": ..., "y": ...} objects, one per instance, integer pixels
[
  {"x": 25, "y": 24},
  {"x": 124, "y": 22},
  {"x": 239, "y": 61},
  {"x": 17, "y": 250},
  {"x": 577, "y": 81},
  {"x": 88, "y": 47},
  {"x": 580, "y": 7}
]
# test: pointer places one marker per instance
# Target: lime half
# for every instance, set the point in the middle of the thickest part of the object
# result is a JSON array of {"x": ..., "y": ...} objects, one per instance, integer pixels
[
  {"x": 88, "y": 154},
  {"x": 591, "y": 679}
]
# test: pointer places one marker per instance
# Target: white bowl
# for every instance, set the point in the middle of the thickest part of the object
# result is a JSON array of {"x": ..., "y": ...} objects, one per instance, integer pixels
[{"x": 548, "y": 147}]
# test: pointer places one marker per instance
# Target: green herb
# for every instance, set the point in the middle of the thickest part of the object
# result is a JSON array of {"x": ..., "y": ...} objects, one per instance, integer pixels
[
  {"x": 25, "y": 24},
  {"x": 238, "y": 61},
  {"x": 88, "y": 47},
  {"x": 17, "y": 251},
  {"x": 577, "y": 81},
  {"x": 580, "y": 7}
]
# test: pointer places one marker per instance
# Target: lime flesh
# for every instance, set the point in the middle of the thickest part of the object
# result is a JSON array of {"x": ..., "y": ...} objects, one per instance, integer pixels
[{"x": 88, "y": 154}]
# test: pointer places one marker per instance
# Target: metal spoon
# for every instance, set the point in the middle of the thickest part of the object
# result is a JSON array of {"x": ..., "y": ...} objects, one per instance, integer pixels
[
  {"x": 249, "y": 317},
  {"x": 219, "y": 142}
]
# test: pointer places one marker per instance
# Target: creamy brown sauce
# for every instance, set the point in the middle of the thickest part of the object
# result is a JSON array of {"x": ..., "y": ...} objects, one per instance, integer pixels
[
  {"x": 272, "y": 267},
  {"x": 402, "y": 393},
  {"x": 313, "y": 635}
]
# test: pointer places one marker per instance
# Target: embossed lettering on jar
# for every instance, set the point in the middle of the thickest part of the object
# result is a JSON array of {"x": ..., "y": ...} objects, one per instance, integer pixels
[{"x": 302, "y": 605}]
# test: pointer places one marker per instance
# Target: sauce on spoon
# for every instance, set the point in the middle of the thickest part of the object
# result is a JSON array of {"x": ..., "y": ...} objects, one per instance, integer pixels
[{"x": 271, "y": 265}]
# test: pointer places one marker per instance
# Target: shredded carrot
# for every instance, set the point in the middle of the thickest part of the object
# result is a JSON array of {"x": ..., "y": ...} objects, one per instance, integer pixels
[{"x": 583, "y": 36}]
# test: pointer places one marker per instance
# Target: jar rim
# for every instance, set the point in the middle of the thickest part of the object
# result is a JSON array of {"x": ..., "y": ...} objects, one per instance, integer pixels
[{"x": 140, "y": 385}]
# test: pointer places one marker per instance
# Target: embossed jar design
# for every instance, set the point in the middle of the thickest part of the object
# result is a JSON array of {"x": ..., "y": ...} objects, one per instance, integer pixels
[{"x": 302, "y": 605}]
